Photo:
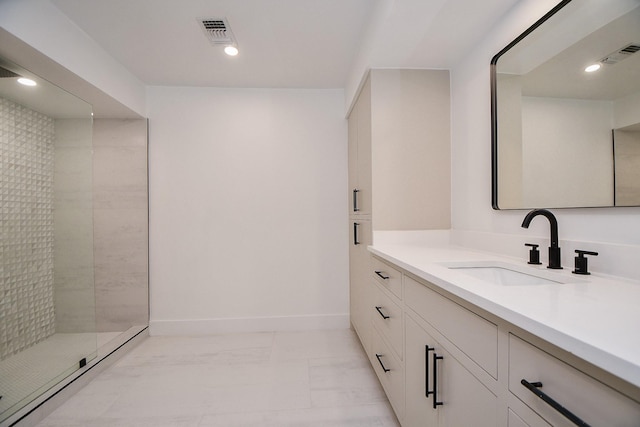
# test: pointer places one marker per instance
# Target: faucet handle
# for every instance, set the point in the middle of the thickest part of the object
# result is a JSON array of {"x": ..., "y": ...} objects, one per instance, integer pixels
[
  {"x": 581, "y": 262},
  {"x": 534, "y": 254}
]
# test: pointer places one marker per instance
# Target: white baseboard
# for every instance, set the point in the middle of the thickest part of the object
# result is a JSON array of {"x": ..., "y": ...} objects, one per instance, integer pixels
[{"x": 248, "y": 324}]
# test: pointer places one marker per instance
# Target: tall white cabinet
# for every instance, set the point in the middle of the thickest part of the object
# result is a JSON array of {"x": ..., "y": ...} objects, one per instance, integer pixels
[{"x": 399, "y": 179}]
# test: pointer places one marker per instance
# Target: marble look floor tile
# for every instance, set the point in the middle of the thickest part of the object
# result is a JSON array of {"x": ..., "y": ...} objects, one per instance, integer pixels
[
  {"x": 315, "y": 345},
  {"x": 192, "y": 421},
  {"x": 232, "y": 348},
  {"x": 377, "y": 415},
  {"x": 342, "y": 382},
  {"x": 306, "y": 379},
  {"x": 169, "y": 401}
]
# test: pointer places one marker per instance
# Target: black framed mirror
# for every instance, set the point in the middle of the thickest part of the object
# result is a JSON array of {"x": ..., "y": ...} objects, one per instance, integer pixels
[{"x": 563, "y": 135}]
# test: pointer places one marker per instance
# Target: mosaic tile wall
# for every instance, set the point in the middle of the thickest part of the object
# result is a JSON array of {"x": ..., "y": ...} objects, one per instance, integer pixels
[{"x": 26, "y": 227}]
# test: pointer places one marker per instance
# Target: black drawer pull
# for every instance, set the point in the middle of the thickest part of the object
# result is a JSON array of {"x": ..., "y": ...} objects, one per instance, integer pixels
[
  {"x": 355, "y": 233},
  {"x": 355, "y": 200},
  {"x": 435, "y": 380},
  {"x": 382, "y": 276},
  {"x": 534, "y": 388},
  {"x": 384, "y": 368},
  {"x": 384, "y": 316},
  {"x": 427, "y": 349}
]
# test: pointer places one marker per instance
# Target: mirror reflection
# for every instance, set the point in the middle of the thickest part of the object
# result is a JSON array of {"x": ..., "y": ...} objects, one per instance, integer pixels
[{"x": 566, "y": 110}]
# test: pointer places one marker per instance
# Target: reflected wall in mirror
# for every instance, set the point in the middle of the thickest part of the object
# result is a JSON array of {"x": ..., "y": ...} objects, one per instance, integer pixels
[{"x": 561, "y": 136}]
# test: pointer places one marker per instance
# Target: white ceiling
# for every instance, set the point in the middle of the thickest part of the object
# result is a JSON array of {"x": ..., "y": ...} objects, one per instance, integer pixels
[{"x": 283, "y": 43}]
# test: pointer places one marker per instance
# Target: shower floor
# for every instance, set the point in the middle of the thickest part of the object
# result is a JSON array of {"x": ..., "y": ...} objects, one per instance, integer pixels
[{"x": 44, "y": 364}]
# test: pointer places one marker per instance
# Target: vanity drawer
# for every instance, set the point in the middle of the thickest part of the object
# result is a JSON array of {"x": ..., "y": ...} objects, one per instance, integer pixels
[
  {"x": 474, "y": 335},
  {"x": 390, "y": 372},
  {"x": 514, "y": 420},
  {"x": 588, "y": 399},
  {"x": 387, "y": 318},
  {"x": 388, "y": 276}
]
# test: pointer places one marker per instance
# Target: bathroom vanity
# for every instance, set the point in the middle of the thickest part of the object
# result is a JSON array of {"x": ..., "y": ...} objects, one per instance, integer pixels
[{"x": 460, "y": 338}]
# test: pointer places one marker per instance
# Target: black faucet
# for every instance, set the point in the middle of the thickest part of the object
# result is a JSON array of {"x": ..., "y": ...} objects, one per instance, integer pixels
[{"x": 554, "y": 250}]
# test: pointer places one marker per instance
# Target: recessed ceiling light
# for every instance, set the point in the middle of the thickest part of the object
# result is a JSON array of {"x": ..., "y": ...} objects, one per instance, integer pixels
[
  {"x": 231, "y": 50},
  {"x": 27, "y": 82},
  {"x": 593, "y": 67}
]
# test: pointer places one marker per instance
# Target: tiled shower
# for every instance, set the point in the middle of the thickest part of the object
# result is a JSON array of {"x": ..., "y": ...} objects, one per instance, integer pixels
[
  {"x": 73, "y": 241},
  {"x": 27, "y": 313}
]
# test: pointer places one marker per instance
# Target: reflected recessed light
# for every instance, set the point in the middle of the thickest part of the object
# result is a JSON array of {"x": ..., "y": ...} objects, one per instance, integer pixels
[
  {"x": 231, "y": 50},
  {"x": 593, "y": 67},
  {"x": 27, "y": 82}
]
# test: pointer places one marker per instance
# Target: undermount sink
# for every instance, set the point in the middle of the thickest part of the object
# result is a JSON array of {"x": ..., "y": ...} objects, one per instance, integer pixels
[{"x": 502, "y": 274}]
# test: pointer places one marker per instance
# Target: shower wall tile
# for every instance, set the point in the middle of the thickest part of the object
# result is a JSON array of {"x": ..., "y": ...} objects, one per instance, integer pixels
[
  {"x": 26, "y": 227},
  {"x": 75, "y": 309},
  {"x": 120, "y": 223},
  {"x": 73, "y": 220}
]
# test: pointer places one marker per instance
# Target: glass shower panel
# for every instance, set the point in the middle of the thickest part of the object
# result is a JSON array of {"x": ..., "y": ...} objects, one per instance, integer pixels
[{"x": 47, "y": 294}]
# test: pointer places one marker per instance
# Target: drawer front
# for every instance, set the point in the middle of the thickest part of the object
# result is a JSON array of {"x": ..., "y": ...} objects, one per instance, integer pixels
[
  {"x": 388, "y": 276},
  {"x": 533, "y": 421},
  {"x": 387, "y": 318},
  {"x": 593, "y": 402},
  {"x": 390, "y": 372},
  {"x": 516, "y": 421},
  {"x": 474, "y": 335}
]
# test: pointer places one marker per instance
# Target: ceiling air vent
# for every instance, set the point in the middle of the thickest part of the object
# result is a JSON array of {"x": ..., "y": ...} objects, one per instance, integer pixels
[
  {"x": 217, "y": 31},
  {"x": 621, "y": 54}
]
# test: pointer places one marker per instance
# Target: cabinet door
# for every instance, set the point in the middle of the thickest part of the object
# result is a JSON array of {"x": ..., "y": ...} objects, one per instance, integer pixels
[
  {"x": 360, "y": 298},
  {"x": 465, "y": 400},
  {"x": 419, "y": 410},
  {"x": 359, "y": 155},
  {"x": 462, "y": 400},
  {"x": 364, "y": 149},
  {"x": 353, "y": 156}
]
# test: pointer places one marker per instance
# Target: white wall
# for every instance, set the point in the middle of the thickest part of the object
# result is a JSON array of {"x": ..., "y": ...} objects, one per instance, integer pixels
[
  {"x": 471, "y": 142},
  {"x": 248, "y": 210}
]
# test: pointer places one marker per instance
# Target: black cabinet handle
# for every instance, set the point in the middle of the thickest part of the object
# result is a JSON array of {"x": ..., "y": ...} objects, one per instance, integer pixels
[
  {"x": 355, "y": 233},
  {"x": 382, "y": 276},
  {"x": 355, "y": 200},
  {"x": 535, "y": 389},
  {"x": 427, "y": 349},
  {"x": 381, "y": 313},
  {"x": 435, "y": 380},
  {"x": 384, "y": 368}
]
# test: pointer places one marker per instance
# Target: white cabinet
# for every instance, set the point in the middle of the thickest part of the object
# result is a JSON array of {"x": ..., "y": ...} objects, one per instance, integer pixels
[
  {"x": 515, "y": 420},
  {"x": 399, "y": 170},
  {"x": 474, "y": 335},
  {"x": 386, "y": 352},
  {"x": 577, "y": 394},
  {"x": 440, "y": 391},
  {"x": 428, "y": 346},
  {"x": 360, "y": 153},
  {"x": 386, "y": 315},
  {"x": 399, "y": 150},
  {"x": 387, "y": 276},
  {"x": 360, "y": 295},
  {"x": 410, "y": 149},
  {"x": 390, "y": 371}
]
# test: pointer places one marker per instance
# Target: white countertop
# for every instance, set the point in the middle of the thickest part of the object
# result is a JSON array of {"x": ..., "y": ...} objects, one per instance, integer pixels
[{"x": 595, "y": 317}]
